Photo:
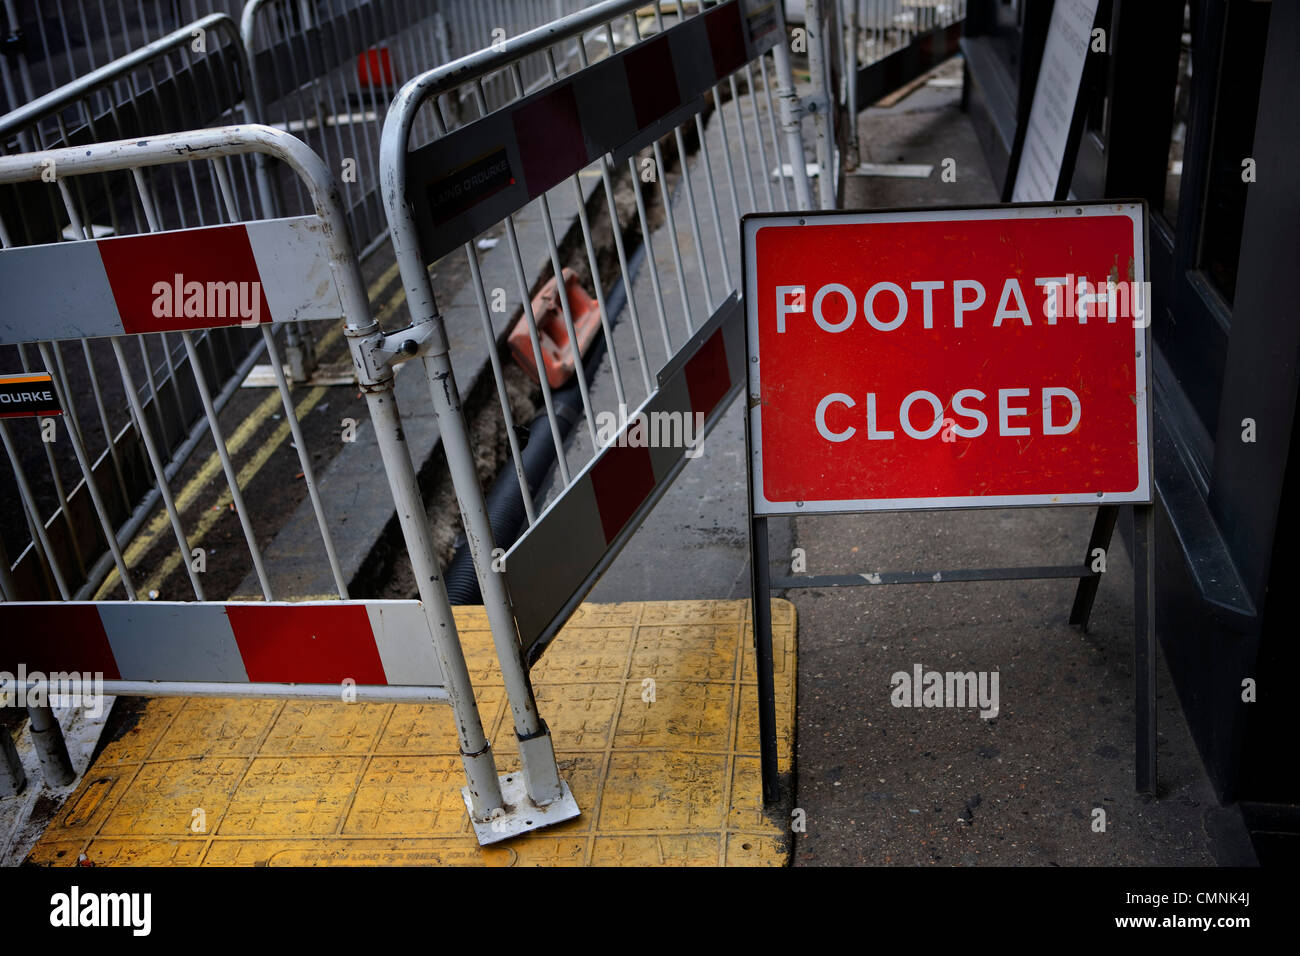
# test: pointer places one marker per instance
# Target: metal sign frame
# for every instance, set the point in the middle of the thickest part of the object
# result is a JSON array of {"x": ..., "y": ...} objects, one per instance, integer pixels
[{"x": 762, "y": 581}]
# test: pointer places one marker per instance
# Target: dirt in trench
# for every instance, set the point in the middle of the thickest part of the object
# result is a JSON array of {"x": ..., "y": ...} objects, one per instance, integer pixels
[{"x": 388, "y": 573}]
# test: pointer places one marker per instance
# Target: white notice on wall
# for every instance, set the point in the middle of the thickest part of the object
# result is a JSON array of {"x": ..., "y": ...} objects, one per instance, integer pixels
[{"x": 1068, "y": 36}]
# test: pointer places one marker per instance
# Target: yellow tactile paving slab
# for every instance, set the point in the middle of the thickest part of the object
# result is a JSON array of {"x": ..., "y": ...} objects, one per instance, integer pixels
[{"x": 653, "y": 711}]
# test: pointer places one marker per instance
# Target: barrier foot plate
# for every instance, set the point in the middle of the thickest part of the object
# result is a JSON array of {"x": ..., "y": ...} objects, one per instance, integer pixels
[{"x": 522, "y": 814}]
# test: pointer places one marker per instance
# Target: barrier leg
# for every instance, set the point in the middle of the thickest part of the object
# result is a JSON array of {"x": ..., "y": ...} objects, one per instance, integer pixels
[
  {"x": 1144, "y": 646},
  {"x": 536, "y": 752},
  {"x": 791, "y": 119},
  {"x": 822, "y": 100},
  {"x": 299, "y": 352},
  {"x": 8, "y": 592},
  {"x": 47, "y": 737},
  {"x": 12, "y": 776},
  {"x": 851, "y": 74},
  {"x": 483, "y": 793}
]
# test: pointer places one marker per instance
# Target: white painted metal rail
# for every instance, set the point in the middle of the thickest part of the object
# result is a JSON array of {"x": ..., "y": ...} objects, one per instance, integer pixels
[{"x": 298, "y": 268}]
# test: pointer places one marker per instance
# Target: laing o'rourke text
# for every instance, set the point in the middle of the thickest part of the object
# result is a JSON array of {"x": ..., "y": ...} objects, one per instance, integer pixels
[
  {"x": 179, "y": 299},
  {"x": 834, "y": 308},
  {"x": 18, "y": 398}
]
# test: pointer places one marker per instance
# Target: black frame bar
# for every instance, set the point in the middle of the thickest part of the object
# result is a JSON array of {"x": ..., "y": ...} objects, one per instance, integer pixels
[{"x": 1144, "y": 631}]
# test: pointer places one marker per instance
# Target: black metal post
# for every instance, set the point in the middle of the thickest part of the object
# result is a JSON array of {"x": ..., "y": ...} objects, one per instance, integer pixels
[
  {"x": 763, "y": 655},
  {"x": 1144, "y": 645},
  {"x": 1102, "y": 531}
]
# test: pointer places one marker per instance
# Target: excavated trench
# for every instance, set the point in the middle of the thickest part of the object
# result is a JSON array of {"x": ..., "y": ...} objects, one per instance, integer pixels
[{"x": 387, "y": 572}]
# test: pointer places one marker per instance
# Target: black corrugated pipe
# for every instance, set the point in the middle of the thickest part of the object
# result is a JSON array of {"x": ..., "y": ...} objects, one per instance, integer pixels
[{"x": 505, "y": 505}]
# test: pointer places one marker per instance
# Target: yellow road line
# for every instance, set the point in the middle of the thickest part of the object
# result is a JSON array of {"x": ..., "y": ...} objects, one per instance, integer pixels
[
  {"x": 211, "y": 467},
  {"x": 145, "y": 538},
  {"x": 380, "y": 284},
  {"x": 245, "y": 475}
]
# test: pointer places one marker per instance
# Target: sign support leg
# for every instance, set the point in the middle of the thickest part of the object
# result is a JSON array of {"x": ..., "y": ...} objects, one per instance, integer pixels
[
  {"x": 1102, "y": 530},
  {"x": 1144, "y": 645},
  {"x": 762, "y": 612}
]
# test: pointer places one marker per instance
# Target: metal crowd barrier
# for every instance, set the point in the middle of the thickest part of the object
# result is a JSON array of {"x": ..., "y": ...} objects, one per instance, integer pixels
[
  {"x": 180, "y": 281},
  {"x": 680, "y": 350},
  {"x": 859, "y": 50},
  {"x": 323, "y": 70},
  {"x": 884, "y": 27},
  {"x": 196, "y": 75},
  {"x": 52, "y": 42},
  {"x": 163, "y": 86},
  {"x": 327, "y": 71}
]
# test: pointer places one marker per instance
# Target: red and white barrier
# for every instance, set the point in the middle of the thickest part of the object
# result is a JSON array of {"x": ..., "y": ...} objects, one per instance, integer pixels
[
  {"x": 581, "y": 533},
  {"x": 274, "y": 270},
  {"x": 470, "y": 179},
  {"x": 372, "y": 643}
]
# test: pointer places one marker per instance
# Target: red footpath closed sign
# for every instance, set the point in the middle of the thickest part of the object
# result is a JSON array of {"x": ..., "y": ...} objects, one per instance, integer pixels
[{"x": 948, "y": 358}]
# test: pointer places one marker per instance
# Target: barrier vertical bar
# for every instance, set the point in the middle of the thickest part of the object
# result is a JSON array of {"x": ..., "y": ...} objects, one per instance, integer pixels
[
  {"x": 536, "y": 751},
  {"x": 823, "y": 100},
  {"x": 13, "y": 778},
  {"x": 101, "y": 512},
  {"x": 851, "y": 82},
  {"x": 778, "y": 155},
  {"x": 791, "y": 116},
  {"x": 32, "y": 512},
  {"x": 47, "y": 738},
  {"x": 594, "y": 263},
  {"x": 758, "y": 137}
]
